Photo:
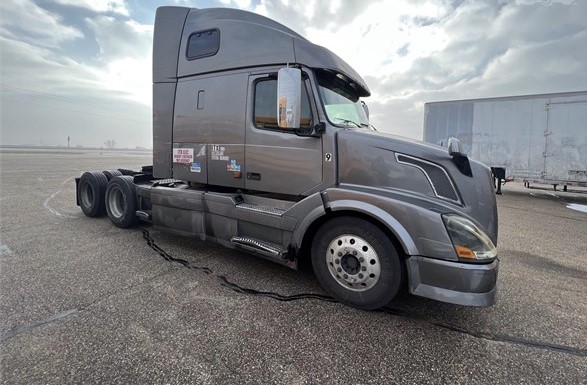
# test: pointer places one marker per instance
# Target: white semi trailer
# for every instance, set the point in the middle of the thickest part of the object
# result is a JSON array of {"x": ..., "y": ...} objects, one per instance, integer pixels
[{"x": 535, "y": 138}]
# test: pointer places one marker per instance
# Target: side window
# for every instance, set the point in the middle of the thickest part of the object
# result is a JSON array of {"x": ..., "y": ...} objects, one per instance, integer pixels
[
  {"x": 265, "y": 114},
  {"x": 203, "y": 43}
]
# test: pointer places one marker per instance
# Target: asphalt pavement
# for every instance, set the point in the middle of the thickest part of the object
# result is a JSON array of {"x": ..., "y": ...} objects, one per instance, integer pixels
[{"x": 82, "y": 301}]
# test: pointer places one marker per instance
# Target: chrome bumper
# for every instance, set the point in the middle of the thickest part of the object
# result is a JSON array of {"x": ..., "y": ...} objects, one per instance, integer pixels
[{"x": 453, "y": 282}]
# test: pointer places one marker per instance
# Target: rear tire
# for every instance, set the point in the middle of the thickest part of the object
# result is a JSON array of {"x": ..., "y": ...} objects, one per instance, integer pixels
[
  {"x": 356, "y": 263},
  {"x": 110, "y": 174},
  {"x": 121, "y": 201},
  {"x": 90, "y": 193}
]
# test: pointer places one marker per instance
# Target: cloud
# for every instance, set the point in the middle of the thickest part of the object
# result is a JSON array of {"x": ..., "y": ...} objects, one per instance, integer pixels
[
  {"x": 32, "y": 67},
  {"x": 99, "y": 6},
  {"x": 27, "y": 21},
  {"x": 243, "y": 4},
  {"x": 302, "y": 15},
  {"x": 95, "y": 57},
  {"x": 124, "y": 55},
  {"x": 48, "y": 95},
  {"x": 414, "y": 52},
  {"x": 120, "y": 38}
]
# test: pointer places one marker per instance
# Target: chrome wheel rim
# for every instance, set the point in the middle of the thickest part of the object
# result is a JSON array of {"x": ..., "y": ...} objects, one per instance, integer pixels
[
  {"x": 86, "y": 194},
  {"x": 353, "y": 262},
  {"x": 116, "y": 202}
]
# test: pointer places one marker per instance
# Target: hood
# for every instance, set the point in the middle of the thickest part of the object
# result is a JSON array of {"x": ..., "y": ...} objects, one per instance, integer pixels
[{"x": 418, "y": 171}]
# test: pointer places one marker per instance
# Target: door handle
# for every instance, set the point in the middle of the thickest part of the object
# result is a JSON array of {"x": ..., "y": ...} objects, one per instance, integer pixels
[{"x": 253, "y": 176}]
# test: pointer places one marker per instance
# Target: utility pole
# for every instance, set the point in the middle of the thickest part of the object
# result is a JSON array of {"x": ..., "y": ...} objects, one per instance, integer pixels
[{"x": 68, "y": 138}]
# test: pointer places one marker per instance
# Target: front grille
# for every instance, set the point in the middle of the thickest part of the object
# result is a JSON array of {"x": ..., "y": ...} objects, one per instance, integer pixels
[{"x": 436, "y": 175}]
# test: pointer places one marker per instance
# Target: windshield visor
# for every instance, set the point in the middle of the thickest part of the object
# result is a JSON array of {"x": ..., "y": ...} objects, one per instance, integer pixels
[{"x": 341, "y": 101}]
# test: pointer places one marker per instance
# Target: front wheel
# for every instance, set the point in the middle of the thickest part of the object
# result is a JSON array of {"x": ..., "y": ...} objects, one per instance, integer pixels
[{"x": 356, "y": 263}]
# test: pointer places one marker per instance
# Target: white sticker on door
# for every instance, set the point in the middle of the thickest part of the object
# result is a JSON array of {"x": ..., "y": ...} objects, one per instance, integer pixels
[
  {"x": 218, "y": 153},
  {"x": 183, "y": 155}
]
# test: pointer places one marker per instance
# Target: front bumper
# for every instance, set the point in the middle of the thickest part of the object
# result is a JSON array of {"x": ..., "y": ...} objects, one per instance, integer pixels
[{"x": 453, "y": 282}]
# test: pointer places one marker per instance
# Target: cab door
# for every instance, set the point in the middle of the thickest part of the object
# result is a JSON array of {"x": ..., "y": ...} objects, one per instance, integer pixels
[{"x": 277, "y": 160}]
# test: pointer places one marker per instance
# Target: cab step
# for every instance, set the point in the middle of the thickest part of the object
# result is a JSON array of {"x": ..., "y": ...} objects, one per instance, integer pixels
[
  {"x": 144, "y": 215},
  {"x": 261, "y": 209},
  {"x": 260, "y": 247}
]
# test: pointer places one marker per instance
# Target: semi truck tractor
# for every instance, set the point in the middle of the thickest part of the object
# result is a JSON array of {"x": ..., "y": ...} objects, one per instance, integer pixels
[{"x": 262, "y": 142}]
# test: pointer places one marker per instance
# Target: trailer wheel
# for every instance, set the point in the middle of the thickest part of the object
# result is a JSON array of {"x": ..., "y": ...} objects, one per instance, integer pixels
[
  {"x": 121, "y": 201},
  {"x": 90, "y": 193},
  {"x": 356, "y": 263},
  {"x": 111, "y": 174}
]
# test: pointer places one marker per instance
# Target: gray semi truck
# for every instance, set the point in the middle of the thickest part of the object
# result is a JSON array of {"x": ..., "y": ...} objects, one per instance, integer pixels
[{"x": 261, "y": 142}]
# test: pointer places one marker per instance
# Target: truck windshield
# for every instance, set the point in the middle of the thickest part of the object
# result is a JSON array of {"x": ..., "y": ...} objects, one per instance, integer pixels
[{"x": 341, "y": 102}]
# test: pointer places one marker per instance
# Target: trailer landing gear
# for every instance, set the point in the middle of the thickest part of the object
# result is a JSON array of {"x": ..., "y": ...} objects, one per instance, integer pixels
[{"x": 498, "y": 176}]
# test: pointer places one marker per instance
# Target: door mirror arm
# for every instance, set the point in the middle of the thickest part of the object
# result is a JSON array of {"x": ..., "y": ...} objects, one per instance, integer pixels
[{"x": 316, "y": 132}]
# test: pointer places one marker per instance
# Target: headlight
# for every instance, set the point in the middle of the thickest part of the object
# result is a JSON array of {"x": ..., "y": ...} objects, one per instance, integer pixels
[{"x": 469, "y": 241}]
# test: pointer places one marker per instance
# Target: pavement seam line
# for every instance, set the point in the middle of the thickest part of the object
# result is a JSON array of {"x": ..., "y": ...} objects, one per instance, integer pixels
[
  {"x": 37, "y": 324},
  {"x": 15, "y": 332}
]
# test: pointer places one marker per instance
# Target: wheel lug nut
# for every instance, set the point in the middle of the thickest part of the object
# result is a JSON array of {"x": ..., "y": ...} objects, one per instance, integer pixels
[
  {"x": 339, "y": 254},
  {"x": 361, "y": 259},
  {"x": 363, "y": 268},
  {"x": 345, "y": 276},
  {"x": 339, "y": 269},
  {"x": 337, "y": 261},
  {"x": 360, "y": 275},
  {"x": 354, "y": 252}
]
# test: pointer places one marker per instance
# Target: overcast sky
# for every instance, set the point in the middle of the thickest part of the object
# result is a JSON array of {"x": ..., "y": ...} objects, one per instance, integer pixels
[{"x": 82, "y": 68}]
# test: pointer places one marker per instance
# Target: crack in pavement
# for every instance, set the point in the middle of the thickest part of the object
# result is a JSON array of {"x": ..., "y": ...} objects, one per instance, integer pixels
[{"x": 225, "y": 282}]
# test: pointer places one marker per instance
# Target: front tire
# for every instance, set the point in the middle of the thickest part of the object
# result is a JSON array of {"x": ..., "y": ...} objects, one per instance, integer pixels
[
  {"x": 121, "y": 201},
  {"x": 356, "y": 263}
]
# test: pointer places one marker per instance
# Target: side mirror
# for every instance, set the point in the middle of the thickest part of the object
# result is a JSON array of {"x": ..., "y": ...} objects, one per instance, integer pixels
[
  {"x": 289, "y": 97},
  {"x": 455, "y": 147},
  {"x": 365, "y": 108}
]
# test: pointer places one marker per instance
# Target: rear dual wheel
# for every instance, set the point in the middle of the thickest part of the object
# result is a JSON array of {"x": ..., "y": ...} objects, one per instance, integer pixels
[
  {"x": 357, "y": 263},
  {"x": 90, "y": 193},
  {"x": 121, "y": 201},
  {"x": 110, "y": 174}
]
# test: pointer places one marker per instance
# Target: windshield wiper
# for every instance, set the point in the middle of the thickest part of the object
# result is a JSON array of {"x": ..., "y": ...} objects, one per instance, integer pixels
[{"x": 348, "y": 121}]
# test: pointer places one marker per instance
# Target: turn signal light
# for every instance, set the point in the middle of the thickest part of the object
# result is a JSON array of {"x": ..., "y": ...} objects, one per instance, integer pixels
[{"x": 465, "y": 252}]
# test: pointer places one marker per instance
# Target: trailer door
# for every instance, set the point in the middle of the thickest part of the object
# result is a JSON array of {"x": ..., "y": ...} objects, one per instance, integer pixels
[
  {"x": 565, "y": 155},
  {"x": 278, "y": 161}
]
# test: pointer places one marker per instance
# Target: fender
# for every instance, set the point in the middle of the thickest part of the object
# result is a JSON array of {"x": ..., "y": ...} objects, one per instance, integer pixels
[{"x": 383, "y": 217}]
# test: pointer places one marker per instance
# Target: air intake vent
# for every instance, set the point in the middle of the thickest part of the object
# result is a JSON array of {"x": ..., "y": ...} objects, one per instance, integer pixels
[{"x": 437, "y": 176}]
